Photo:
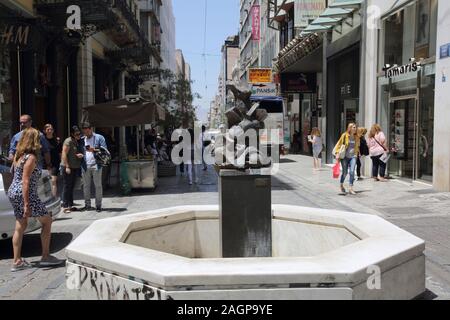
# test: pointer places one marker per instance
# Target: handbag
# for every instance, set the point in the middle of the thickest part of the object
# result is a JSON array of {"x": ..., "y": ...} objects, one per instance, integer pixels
[
  {"x": 341, "y": 152},
  {"x": 386, "y": 156}
]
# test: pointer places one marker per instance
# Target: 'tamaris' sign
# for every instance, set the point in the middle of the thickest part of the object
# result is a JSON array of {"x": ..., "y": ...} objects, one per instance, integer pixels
[{"x": 395, "y": 71}]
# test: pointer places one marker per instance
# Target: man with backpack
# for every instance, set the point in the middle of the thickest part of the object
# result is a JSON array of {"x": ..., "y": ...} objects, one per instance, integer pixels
[{"x": 96, "y": 156}]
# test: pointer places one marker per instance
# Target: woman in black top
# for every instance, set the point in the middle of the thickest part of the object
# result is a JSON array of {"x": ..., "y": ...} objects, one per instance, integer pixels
[
  {"x": 55, "y": 154},
  {"x": 364, "y": 150}
]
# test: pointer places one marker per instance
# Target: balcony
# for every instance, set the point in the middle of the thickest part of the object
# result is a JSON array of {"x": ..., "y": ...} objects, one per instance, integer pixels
[
  {"x": 114, "y": 17},
  {"x": 151, "y": 7}
]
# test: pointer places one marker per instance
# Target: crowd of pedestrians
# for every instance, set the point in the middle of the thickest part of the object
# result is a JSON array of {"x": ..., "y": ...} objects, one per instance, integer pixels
[{"x": 81, "y": 156}]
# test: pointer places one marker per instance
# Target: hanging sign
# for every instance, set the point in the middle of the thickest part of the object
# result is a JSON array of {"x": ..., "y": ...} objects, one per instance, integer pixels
[
  {"x": 260, "y": 75},
  {"x": 307, "y": 11},
  {"x": 256, "y": 22}
]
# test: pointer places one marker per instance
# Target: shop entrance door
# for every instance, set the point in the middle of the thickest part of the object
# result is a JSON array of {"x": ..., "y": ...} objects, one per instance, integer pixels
[{"x": 404, "y": 137}]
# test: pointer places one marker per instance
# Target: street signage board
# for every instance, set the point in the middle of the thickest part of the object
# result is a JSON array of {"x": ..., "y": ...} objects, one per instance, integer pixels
[
  {"x": 445, "y": 51},
  {"x": 264, "y": 89},
  {"x": 259, "y": 75}
]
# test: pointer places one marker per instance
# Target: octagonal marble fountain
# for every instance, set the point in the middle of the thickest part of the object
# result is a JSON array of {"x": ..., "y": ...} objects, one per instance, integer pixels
[{"x": 175, "y": 253}]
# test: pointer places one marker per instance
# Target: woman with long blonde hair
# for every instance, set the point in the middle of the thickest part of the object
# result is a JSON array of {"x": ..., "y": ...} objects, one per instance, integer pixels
[
  {"x": 349, "y": 144},
  {"x": 23, "y": 195},
  {"x": 317, "y": 146}
]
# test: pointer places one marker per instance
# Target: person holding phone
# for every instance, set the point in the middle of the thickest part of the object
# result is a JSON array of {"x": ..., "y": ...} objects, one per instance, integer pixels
[
  {"x": 91, "y": 170},
  {"x": 71, "y": 164}
]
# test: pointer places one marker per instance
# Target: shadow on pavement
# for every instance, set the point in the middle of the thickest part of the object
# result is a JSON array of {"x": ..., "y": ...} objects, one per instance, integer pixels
[
  {"x": 278, "y": 185},
  {"x": 31, "y": 246},
  {"x": 285, "y": 160},
  {"x": 427, "y": 295}
]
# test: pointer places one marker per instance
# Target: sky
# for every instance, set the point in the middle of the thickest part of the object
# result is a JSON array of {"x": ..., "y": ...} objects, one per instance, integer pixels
[{"x": 222, "y": 20}]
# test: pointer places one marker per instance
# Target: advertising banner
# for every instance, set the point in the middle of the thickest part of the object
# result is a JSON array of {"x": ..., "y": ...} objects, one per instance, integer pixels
[
  {"x": 260, "y": 75},
  {"x": 256, "y": 22},
  {"x": 298, "y": 82},
  {"x": 307, "y": 10}
]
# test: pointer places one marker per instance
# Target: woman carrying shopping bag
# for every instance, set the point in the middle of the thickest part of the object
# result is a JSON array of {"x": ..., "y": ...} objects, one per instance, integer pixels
[{"x": 347, "y": 152}]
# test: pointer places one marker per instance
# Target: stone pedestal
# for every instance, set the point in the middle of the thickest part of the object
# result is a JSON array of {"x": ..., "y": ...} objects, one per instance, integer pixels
[{"x": 245, "y": 214}]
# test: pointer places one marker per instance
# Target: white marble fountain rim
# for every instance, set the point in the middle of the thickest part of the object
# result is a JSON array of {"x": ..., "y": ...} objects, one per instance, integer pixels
[{"x": 382, "y": 244}]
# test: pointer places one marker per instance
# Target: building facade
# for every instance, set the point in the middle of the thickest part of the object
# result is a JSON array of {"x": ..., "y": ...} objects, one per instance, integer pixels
[
  {"x": 51, "y": 71},
  {"x": 168, "y": 45},
  {"x": 377, "y": 61}
]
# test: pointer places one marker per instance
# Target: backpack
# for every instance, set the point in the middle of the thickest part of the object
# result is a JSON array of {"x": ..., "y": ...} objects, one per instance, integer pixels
[{"x": 364, "y": 148}]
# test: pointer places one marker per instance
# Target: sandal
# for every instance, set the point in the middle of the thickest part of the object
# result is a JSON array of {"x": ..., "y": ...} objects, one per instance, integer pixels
[{"x": 23, "y": 265}]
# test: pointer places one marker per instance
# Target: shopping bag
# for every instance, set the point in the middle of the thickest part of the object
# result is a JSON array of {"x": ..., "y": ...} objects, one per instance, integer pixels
[
  {"x": 385, "y": 157},
  {"x": 337, "y": 170}
]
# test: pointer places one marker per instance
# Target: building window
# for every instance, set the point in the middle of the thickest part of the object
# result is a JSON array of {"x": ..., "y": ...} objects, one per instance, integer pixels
[{"x": 410, "y": 33}]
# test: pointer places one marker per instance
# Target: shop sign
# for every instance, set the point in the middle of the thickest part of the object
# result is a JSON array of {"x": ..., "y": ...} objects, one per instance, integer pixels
[
  {"x": 264, "y": 89},
  {"x": 16, "y": 35},
  {"x": 256, "y": 22},
  {"x": 307, "y": 10},
  {"x": 298, "y": 82},
  {"x": 346, "y": 90},
  {"x": 260, "y": 75},
  {"x": 445, "y": 51},
  {"x": 395, "y": 71}
]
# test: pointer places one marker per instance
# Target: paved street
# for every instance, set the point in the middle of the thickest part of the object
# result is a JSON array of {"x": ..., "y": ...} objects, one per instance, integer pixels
[{"x": 414, "y": 207}]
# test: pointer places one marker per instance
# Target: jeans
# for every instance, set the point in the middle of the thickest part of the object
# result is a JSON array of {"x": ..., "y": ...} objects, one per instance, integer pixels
[
  {"x": 88, "y": 175},
  {"x": 346, "y": 163},
  {"x": 378, "y": 167},
  {"x": 193, "y": 167},
  {"x": 68, "y": 186}
]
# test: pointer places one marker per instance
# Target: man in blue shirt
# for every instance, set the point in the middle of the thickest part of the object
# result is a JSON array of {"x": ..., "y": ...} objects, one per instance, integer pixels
[
  {"x": 90, "y": 168},
  {"x": 26, "y": 122}
]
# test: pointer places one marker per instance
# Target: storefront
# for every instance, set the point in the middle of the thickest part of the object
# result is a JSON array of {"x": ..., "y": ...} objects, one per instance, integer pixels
[
  {"x": 406, "y": 88},
  {"x": 343, "y": 105},
  {"x": 38, "y": 73},
  {"x": 301, "y": 90}
]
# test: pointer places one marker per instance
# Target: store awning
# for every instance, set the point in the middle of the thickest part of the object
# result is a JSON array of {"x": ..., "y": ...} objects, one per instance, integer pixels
[
  {"x": 333, "y": 16},
  {"x": 287, "y": 5},
  {"x": 346, "y": 4},
  {"x": 123, "y": 112},
  {"x": 299, "y": 49}
]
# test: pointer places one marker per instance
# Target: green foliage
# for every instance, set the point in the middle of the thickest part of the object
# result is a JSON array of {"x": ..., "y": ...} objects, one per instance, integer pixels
[{"x": 176, "y": 96}]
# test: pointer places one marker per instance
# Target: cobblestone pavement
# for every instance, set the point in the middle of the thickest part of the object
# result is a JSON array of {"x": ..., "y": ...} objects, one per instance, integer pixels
[{"x": 414, "y": 207}]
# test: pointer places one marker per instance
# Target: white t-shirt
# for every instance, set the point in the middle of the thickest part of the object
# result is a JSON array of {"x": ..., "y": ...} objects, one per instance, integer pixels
[{"x": 90, "y": 159}]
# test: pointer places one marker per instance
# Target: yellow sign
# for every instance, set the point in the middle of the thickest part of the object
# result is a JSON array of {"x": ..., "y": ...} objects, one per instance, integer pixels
[{"x": 260, "y": 75}]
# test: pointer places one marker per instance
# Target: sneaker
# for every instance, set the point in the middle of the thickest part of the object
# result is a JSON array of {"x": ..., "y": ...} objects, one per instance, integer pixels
[
  {"x": 99, "y": 209},
  {"x": 51, "y": 261},
  {"x": 23, "y": 265}
]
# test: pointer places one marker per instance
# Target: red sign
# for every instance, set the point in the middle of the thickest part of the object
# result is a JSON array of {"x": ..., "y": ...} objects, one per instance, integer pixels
[{"x": 256, "y": 23}]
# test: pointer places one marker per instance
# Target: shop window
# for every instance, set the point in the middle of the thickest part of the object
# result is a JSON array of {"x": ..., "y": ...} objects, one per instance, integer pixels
[
  {"x": 410, "y": 33},
  {"x": 5, "y": 101}
]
